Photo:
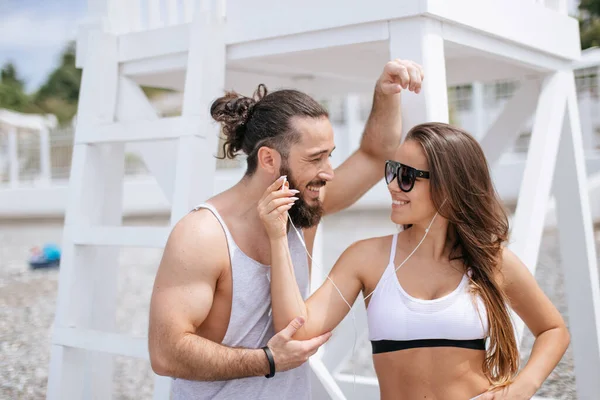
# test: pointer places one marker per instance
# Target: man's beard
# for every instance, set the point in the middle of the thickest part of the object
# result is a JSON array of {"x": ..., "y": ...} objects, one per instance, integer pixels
[{"x": 302, "y": 214}]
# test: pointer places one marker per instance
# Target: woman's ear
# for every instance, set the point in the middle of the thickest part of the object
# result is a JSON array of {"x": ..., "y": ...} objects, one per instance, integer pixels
[{"x": 269, "y": 159}]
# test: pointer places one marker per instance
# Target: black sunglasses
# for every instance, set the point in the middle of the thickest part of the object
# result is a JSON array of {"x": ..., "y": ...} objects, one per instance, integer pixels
[{"x": 406, "y": 175}]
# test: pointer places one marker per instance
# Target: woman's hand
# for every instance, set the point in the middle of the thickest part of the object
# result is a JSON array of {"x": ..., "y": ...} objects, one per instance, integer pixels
[
  {"x": 515, "y": 391},
  {"x": 273, "y": 208}
]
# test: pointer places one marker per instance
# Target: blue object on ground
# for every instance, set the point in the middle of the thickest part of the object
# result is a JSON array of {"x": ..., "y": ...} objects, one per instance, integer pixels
[{"x": 46, "y": 257}]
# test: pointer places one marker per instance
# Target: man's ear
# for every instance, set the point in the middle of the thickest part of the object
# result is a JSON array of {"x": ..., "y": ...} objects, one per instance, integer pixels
[{"x": 269, "y": 159}]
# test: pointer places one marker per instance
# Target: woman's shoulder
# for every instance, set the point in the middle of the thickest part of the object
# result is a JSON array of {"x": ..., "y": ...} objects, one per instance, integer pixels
[{"x": 370, "y": 248}]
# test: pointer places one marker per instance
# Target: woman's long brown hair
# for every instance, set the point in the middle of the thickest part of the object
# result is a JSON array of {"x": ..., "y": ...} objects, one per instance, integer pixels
[{"x": 479, "y": 226}]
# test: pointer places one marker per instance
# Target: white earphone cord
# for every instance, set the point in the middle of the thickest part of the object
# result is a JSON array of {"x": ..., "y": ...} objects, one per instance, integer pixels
[{"x": 369, "y": 295}]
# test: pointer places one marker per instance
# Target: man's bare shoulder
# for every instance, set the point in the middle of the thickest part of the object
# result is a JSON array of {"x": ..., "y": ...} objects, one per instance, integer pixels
[{"x": 197, "y": 244}]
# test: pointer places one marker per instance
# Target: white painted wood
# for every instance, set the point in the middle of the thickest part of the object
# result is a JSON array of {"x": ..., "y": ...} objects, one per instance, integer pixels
[
  {"x": 147, "y": 236},
  {"x": 477, "y": 105},
  {"x": 578, "y": 251},
  {"x": 102, "y": 342},
  {"x": 188, "y": 10},
  {"x": 205, "y": 81},
  {"x": 45, "y": 166},
  {"x": 536, "y": 185},
  {"x": 346, "y": 35},
  {"x": 13, "y": 158},
  {"x": 507, "y": 127},
  {"x": 327, "y": 382},
  {"x": 144, "y": 131},
  {"x": 554, "y": 33},
  {"x": 426, "y": 49},
  {"x": 560, "y": 6},
  {"x": 155, "y": 19},
  {"x": 35, "y": 122},
  {"x": 457, "y": 13},
  {"x": 133, "y": 14},
  {"x": 134, "y": 107},
  {"x": 172, "y": 12},
  {"x": 360, "y": 387},
  {"x": 528, "y": 223},
  {"x": 496, "y": 46},
  {"x": 87, "y": 291}
]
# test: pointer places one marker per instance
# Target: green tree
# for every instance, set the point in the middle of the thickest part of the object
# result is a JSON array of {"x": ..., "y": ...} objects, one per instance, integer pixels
[
  {"x": 589, "y": 23},
  {"x": 12, "y": 95},
  {"x": 59, "y": 94}
]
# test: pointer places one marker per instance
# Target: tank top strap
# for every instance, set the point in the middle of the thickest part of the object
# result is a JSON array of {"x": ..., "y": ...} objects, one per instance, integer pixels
[
  {"x": 393, "y": 249},
  {"x": 230, "y": 243}
]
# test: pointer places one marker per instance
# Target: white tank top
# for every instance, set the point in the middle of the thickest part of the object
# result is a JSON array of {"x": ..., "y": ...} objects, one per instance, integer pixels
[
  {"x": 398, "y": 320},
  {"x": 251, "y": 326}
]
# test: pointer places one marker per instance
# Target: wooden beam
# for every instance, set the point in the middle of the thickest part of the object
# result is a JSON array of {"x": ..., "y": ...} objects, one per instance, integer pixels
[
  {"x": 205, "y": 81},
  {"x": 148, "y": 236},
  {"x": 102, "y": 342},
  {"x": 534, "y": 194},
  {"x": 138, "y": 119},
  {"x": 506, "y": 128},
  {"x": 144, "y": 131},
  {"x": 578, "y": 251},
  {"x": 554, "y": 33}
]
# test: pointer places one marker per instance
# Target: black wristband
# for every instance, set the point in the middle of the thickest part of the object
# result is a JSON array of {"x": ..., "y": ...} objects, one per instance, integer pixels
[{"x": 271, "y": 362}]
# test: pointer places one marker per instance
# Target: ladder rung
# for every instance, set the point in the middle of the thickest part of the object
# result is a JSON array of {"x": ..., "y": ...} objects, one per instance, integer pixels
[
  {"x": 148, "y": 130},
  {"x": 149, "y": 236},
  {"x": 103, "y": 342}
]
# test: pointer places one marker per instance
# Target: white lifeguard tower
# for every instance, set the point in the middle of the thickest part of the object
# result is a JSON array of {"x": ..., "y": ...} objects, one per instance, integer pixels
[{"x": 323, "y": 47}]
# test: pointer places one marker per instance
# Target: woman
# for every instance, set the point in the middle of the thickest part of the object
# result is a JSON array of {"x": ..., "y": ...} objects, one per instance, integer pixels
[{"x": 430, "y": 319}]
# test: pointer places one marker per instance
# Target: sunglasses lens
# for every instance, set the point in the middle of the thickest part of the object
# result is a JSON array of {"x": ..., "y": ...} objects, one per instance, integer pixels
[
  {"x": 407, "y": 178},
  {"x": 390, "y": 172}
]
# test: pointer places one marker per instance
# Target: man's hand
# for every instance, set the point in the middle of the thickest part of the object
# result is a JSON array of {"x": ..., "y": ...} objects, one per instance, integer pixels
[
  {"x": 401, "y": 74},
  {"x": 289, "y": 353}
]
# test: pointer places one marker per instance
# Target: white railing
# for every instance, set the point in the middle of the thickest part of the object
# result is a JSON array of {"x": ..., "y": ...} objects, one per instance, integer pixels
[{"x": 125, "y": 16}]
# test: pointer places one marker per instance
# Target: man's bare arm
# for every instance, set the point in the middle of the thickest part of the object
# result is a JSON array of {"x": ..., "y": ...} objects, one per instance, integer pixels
[
  {"x": 381, "y": 137},
  {"x": 194, "y": 258}
]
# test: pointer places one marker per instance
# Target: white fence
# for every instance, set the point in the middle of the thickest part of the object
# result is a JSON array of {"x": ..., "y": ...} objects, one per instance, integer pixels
[{"x": 141, "y": 15}]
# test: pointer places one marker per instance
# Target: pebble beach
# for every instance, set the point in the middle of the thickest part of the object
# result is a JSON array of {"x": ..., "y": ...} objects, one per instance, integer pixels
[{"x": 28, "y": 300}]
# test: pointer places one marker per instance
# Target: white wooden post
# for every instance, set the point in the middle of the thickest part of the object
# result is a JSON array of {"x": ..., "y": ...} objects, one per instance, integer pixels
[
  {"x": 134, "y": 106},
  {"x": 45, "y": 167},
  {"x": 172, "y": 12},
  {"x": 478, "y": 109},
  {"x": 506, "y": 128},
  {"x": 578, "y": 252},
  {"x": 13, "y": 157},
  {"x": 205, "y": 81},
  {"x": 155, "y": 19},
  {"x": 586, "y": 110},
  {"x": 88, "y": 275},
  {"x": 534, "y": 194},
  {"x": 426, "y": 48}
]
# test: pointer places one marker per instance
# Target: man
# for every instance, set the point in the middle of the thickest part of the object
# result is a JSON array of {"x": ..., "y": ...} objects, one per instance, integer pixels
[{"x": 210, "y": 320}]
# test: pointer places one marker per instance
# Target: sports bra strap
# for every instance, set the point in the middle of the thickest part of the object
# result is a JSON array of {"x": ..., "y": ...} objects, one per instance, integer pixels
[{"x": 393, "y": 249}]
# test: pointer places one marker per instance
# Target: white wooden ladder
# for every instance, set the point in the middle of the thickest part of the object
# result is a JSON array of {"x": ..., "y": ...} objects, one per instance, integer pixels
[{"x": 113, "y": 110}]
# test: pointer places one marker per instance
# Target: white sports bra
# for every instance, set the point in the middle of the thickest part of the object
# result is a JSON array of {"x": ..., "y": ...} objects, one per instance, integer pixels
[{"x": 399, "y": 321}]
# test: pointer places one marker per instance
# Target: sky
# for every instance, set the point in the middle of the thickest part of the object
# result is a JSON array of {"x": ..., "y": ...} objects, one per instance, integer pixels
[{"x": 33, "y": 34}]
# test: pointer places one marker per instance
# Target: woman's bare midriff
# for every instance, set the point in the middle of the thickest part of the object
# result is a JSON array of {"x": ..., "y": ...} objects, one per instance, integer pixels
[{"x": 440, "y": 373}]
